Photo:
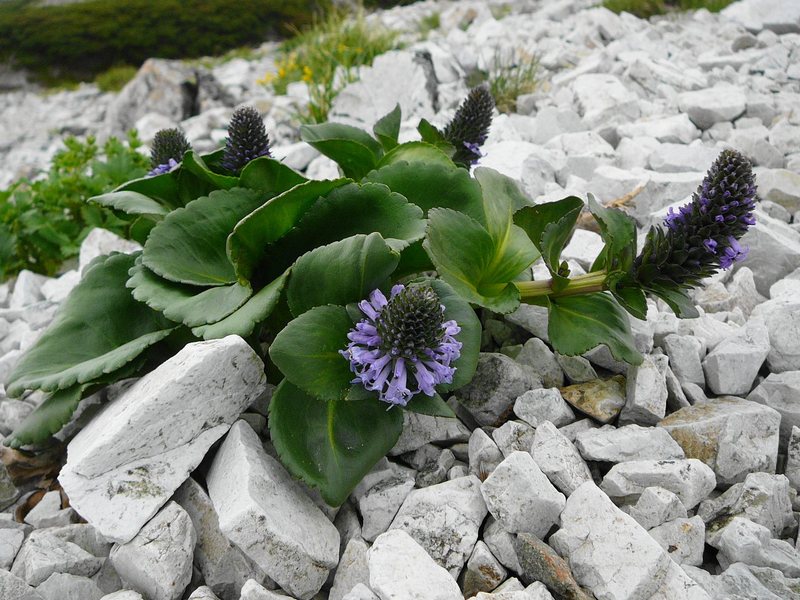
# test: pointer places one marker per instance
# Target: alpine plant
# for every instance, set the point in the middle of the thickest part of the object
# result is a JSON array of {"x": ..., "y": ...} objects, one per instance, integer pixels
[
  {"x": 404, "y": 346},
  {"x": 169, "y": 146},
  {"x": 470, "y": 126},
  {"x": 703, "y": 235},
  {"x": 247, "y": 139}
]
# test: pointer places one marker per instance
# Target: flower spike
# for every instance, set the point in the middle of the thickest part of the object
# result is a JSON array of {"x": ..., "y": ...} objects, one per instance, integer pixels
[
  {"x": 247, "y": 139},
  {"x": 169, "y": 146},
  {"x": 470, "y": 126}
]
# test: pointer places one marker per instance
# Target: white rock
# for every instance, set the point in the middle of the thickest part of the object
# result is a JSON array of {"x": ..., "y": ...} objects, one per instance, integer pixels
[
  {"x": 685, "y": 355},
  {"x": 680, "y": 158},
  {"x": 10, "y": 543},
  {"x": 265, "y": 513},
  {"x": 124, "y": 465},
  {"x": 780, "y": 16},
  {"x": 123, "y": 595},
  {"x": 656, "y": 506},
  {"x": 782, "y": 318},
  {"x": 690, "y": 479},
  {"x": 252, "y": 590},
  {"x": 646, "y": 392},
  {"x": 379, "y": 496},
  {"x": 158, "y": 561},
  {"x": 361, "y": 592},
  {"x": 61, "y": 586},
  {"x": 631, "y": 442},
  {"x": 513, "y": 436},
  {"x": 484, "y": 455},
  {"x": 774, "y": 250},
  {"x": 501, "y": 544},
  {"x": 56, "y": 290},
  {"x": 558, "y": 458},
  {"x": 677, "y": 129},
  {"x": 203, "y": 593},
  {"x": 677, "y": 584},
  {"x": 400, "y": 569},
  {"x": 419, "y": 429},
  {"x": 27, "y": 289},
  {"x": 683, "y": 539},
  {"x": 793, "y": 458},
  {"x": 352, "y": 570},
  {"x": 597, "y": 538},
  {"x": 48, "y": 512},
  {"x": 603, "y": 97},
  {"x": 444, "y": 519},
  {"x": 100, "y": 242},
  {"x": 483, "y": 573},
  {"x": 577, "y": 369},
  {"x": 732, "y": 366},
  {"x": 14, "y": 588},
  {"x": 741, "y": 540},
  {"x": 508, "y": 157},
  {"x": 536, "y": 354},
  {"x": 781, "y": 391},
  {"x": 722, "y": 102},
  {"x": 44, "y": 554},
  {"x": 521, "y": 498}
]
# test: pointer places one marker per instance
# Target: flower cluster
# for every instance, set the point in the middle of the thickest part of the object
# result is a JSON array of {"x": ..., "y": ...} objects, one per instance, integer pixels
[
  {"x": 169, "y": 146},
  {"x": 403, "y": 336},
  {"x": 703, "y": 235},
  {"x": 247, "y": 139},
  {"x": 470, "y": 126}
]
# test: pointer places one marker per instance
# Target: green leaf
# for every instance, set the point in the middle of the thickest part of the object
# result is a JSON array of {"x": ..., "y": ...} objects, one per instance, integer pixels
[
  {"x": 387, "y": 129},
  {"x": 268, "y": 175},
  {"x": 161, "y": 188},
  {"x": 417, "y": 152},
  {"x": 627, "y": 293},
  {"x": 433, "y": 406},
  {"x": 189, "y": 245},
  {"x": 353, "y": 149},
  {"x": 433, "y": 185},
  {"x": 677, "y": 300},
  {"x": 307, "y": 352},
  {"x": 243, "y": 321},
  {"x": 478, "y": 267},
  {"x": 579, "y": 323},
  {"x": 131, "y": 203},
  {"x": 618, "y": 231},
  {"x": 270, "y": 222},
  {"x": 193, "y": 163},
  {"x": 499, "y": 194},
  {"x": 341, "y": 272},
  {"x": 188, "y": 304},
  {"x": 330, "y": 445},
  {"x": 98, "y": 329},
  {"x": 430, "y": 134}
]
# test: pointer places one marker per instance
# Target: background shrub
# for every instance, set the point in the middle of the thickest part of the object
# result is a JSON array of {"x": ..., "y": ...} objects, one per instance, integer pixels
[{"x": 648, "y": 8}]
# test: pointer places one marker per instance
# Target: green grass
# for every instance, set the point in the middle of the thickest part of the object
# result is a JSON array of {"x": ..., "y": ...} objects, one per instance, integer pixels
[
  {"x": 648, "y": 8},
  {"x": 115, "y": 78},
  {"x": 429, "y": 23},
  {"x": 509, "y": 76},
  {"x": 326, "y": 56}
]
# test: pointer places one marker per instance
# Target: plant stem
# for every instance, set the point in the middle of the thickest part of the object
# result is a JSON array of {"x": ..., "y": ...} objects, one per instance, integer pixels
[{"x": 582, "y": 284}]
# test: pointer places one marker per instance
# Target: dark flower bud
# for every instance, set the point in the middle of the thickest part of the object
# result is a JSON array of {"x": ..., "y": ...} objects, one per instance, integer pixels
[
  {"x": 703, "y": 235},
  {"x": 247, "y": 139},
  {"x": 470, "y": 126},
  {"x": 169, "y": 146}
]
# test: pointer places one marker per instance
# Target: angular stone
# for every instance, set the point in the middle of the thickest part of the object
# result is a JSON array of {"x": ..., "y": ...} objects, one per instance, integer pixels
[
  {"x": 602, "y": 97},
  {"x": 400, "y": 569},
  {"x": 123, "y": 595},
  {"x": 48, "y": 512},
  {"x": 444, "y": 519},
  {"x": 741, "y": 540},
  {"x": 576, "y": 368},
  {"x": 44, "y": 554},
  {"x": 773, "y": 580},
  {"x": 781, "y": 391},
  {"x": 497, "y": 383},
  {"x": 593, "y": 531},
  {"x": 738, "y": 581},
  {"x": 379, "y": 496},
  {"x": 601, "y": 399},
  {"x": 536, "y": 406},
  {"x": 676, "y": 129},
  {"x": 646, "y": 392},
  {"x": 158, "y": 561},
  {"x": 683, "y": 539},
  {"x": 780, "y": 16},
  {"x": 361, "y": 592},
  {"x": 732, "y": 366},
  {"x": 678, "y": 585},
  {"x": 265, "y": 513},
  {"x": 10, "y": 543},
  {"x": 419, "y": 429},
  {"x": 532, "y": 319},
  {"x": 352, "y": 570},
  {"x": 100, "y": 242},
  {"x": 782, "y": 318},
  {"x": 501, "y": 544},
  {"x": 732, "y": 436},
  {"x": 793, "y": 459},
  {"x": 763, "y": 498},
  {"x": 539, "y": 562},
  {"x": 484, "y": 455},
  {"x": 685, "y": 353},
  {"x": 14, "y": 588},
  {"x": 82, "y": 535},
  {"x": 680, "y": 158},
  {"x": 62, "y": 586},
  {"x": 252, "y": 590},
  {"x": 203, "y": 593},
  {"x": 558, "y": 458},
  {"x": 656, "y": 506},
  {"x": 774, "y": 251},
  {"x": 521, "y": 498},
  {"x": 690, "y": 479},
  {"x": 536, "y": 354},
  {"x": 224, "y": 567},
  {"x": 484, "y": 572},
  {"x": 126, "y": 463},
  {"x": 631, "y": 442},
  {"x": 723, "y": 102}
]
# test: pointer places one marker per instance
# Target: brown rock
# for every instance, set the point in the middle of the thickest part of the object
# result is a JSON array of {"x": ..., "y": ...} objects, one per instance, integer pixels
[
  {"x": 601, "y": 399},
  {"x": 540, "y": 562}
]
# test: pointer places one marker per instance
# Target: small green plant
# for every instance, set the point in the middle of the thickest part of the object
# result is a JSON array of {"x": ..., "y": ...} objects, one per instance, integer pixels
[
  {"x": 115, "y": 78},
  {"x": 327, "y": 56},
  {"x": 43, "y": 222},
  {"x": 648, "y": 8},
  {"x": 428, "y": 23},
  {"x": 510, "y": 75}
]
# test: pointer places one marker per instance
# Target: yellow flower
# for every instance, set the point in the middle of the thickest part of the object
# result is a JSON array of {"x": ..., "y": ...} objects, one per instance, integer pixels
[
  {"x": 281, "y": 72},
  {"x": 307, "y": 73}
]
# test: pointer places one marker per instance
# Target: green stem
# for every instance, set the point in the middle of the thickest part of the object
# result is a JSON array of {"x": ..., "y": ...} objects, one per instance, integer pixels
[{"x": 582, "y": 284}]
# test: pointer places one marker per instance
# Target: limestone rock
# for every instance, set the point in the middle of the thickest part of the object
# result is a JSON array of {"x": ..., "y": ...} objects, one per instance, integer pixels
[
  {"x": 690, "y": 479},
  {"x": 483, "y": 573},
  {"x": 723, "y": 102},
  {"x": 631, "y": 442},
  {"x": 44, "y": 554},
  {"x": 601, "y": 399},
  {"x": 780, "y": 16},
  {"x": 558, "y": 458},
  {"x": 513, "y": 436},
  {"x": 10, "y": 543},
  {"x": 741, "y": 540},
  {"x": 536, "y": 354},
  {"x": 379, "y": 496},
  {"x": 781, "y": 391},
  {"x": 656, "y": 506},
  {"x": 536, "y": 406},
  {"x": 14, "y": 588},
  {"x": 782, "y": 318},
  {"x": 683, "y": 539},
  {"x": 484, "y": 455},
  {"x": 539, "y": 562},
  {"x": 646, "y": 392},
  {"x": 61, "y": 586},
  {"x": 732, "y": 366},
  {"x": 352, "y": 570}
]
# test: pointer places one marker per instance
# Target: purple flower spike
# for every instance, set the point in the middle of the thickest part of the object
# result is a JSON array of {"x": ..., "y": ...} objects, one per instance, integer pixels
[
  {"x": 165, "y": 168},
  {"x": 404, "y": 346}
]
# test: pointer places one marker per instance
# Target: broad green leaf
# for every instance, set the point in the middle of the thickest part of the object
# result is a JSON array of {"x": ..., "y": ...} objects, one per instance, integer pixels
[
  {"x": 346, "y": 211},
  {"x": 433, "y": 406},
  {"x": 189, "y": 245},
  {"x": 131, "y": 203},
  {"x": 140, "y": 229},
  {"x": 500, "y": 193},
  {"x": 579, "y": 323},
  {"x": 270, "y": 222},
  {"x": 478, "y": 267},
  {"x": 355, "y": 151},
  {"x": 188, "y": 304},
  {"x": 433, "y": 185},
  {"x": 618, "y": 231},
  {"x": 307, "y": 352},
  {"x": 341, "y": 272},
  {"x": 387, "y": 129},
  {"x": 627, "y": 293},
  {"x": 269, "y": 175},
  {"x": 430, "y": 134},
  {"x": 330, "y": 445},
  {"x": 193, "y": 163},
  {"x": 677, "y": 300},
  {"x": 414, "y": 152},
  {"x": 98, "y": 329},
  {"x": 243, "y": 321},
  {"x": 161, "y": 188}
]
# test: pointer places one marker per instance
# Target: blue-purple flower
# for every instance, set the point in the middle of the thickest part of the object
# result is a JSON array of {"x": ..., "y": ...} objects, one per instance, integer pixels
[
  {"x": 169, "y": 146},
  {"x": 163, "y": 168},
  {"x": 470, "y": 126},
  {"x": 404, "y": 346}
]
